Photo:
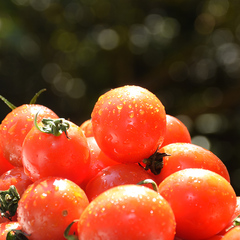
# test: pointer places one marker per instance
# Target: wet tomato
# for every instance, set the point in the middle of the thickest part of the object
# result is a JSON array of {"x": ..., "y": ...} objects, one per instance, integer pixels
[
  {"x": 48, "y": 206},
  {"x": 129, "y": 123},
  {"x": 127, "y": 212}
]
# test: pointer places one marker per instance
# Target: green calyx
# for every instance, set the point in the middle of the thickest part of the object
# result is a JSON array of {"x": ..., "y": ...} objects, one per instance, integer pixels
[
  {"x": 149, "y": 181},
  {"x": 16, "y": 235},
  {"x": 53, "y": 126},
  {"x": 66, "y": 232},
  {"x": 9, "y": 202}
]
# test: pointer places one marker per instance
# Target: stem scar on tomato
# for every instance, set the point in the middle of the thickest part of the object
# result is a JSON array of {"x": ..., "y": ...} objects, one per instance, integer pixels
[
  {"x": 9, "y": 202},
  {"x": 53, "y": 126},
  {"x": 154, "y": 162}
]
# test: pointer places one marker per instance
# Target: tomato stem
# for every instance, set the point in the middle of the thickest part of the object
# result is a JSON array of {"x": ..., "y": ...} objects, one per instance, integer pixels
[
  {"x": 66, "y": 232},
  {"x": 53, "y": 126},
  {"x": 16, "y": 235},
  {"x": 9, "y": 202},
  {"x": 147, "y": 181},
  {"x": 9, "y": 104},
  {"x": 35, "y": 97}
]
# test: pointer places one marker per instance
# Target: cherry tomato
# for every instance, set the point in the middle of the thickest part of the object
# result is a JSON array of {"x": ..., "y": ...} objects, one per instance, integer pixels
[
  {"x": 98, "y": 161},
  {"x": 48, "y": 206},
  {"x": 15, "y": 127},
  {"x": 203, "y": 202},
  {"x": 129, "y": 123},
  {"x": 176, "y": 131},
  {"x": 8, "y": 226},
  {"x": 16, "y": 177},
  {"x": 233, "y": 234},
  {"x": 188, "y": 155},
  {"x": 65, "y": 154},
  {"x": 127, "y": 212},
  {"x": 115, "y": 175},
  {"x": 4, "y": 163},
  {"x": 87, "y": 128}
]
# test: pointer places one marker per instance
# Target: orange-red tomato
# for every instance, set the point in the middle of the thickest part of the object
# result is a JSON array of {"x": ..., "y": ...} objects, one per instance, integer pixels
[
  {"x": 203, "y": 202},
  {"x": 87, "y": 128},
  {"x": 129, "y": 123},
  {"x": 188, "y": 155},
  {"x": 127, "y": 212}
]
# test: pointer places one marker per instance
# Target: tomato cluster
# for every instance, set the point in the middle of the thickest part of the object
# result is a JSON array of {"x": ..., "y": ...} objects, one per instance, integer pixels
[{"x": 128, "y": 172}]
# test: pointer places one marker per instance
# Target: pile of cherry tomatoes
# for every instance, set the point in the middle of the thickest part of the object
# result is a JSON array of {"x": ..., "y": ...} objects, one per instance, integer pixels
[{"x": 130, "y": 172}]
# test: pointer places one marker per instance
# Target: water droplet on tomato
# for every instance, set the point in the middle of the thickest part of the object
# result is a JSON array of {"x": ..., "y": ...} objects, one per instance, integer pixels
[{"x": 119, "y": 107}]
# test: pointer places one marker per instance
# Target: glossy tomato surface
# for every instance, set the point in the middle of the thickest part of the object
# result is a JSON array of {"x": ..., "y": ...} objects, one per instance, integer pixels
[
  {"x": 188, "y": 155},
  {"x": 15, "y": 127},
  {"x": 203, "y": 202},
  {"x": 48, "y": 206},
  {"x": 129, "y": 123},
  {"x": 44, "y": 154},
  {"x": 176, "y": 131},
  {"x": 116, "y": 175},
  {"x": 127, "y": 212}
]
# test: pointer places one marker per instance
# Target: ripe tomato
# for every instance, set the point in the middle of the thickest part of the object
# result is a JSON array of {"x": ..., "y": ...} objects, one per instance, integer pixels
[
  {"x": 176, "y": 131},
  {"x": 16, "y": 177},
  {"x": 129, "y": 123},
  {"x": 188, "y": 155},
  {"x": 15, "y": 127},
  {"x": 48, "y": 206},
  {"x": 203, "y": 202},
  {"x": 4, "y": 163},
  {"x": 87, "y": 128},
  {"x": 127, "y": 212},
  {"x": 98, "y": 161},
  {"x": 6, "y": 227},
  {"x": 116, "y": 175},
  {"x": 66, "y": 155},
  {"x": 233, "y": 234}
]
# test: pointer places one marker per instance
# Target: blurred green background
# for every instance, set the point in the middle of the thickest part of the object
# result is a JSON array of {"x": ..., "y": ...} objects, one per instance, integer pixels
[{"x": 187, "y": 52}]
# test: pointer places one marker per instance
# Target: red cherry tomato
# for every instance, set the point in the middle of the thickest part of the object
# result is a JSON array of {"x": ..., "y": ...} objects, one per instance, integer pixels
[
  {"x": 8, "y": 226},
  {"x": 16, "y": 177},
  {"x": 114, "y": 176},
  {"x": 127, "y": 212},
  {"x": 129, "y": 123},
  {"x": 176, "y": 131},
  {"x": 203, "y": 202},
  {"x": 66, "y": 155},
  {"x": 48, "y": 206},
  {"x": 15, "y": 127},
  {"x": 188, "y": 155},
  {"x": 87, "y": 128},
  {"x": 98, "y": 161}
]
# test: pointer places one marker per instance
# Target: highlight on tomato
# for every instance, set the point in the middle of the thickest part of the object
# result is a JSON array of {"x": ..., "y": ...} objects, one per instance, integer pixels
[
  {"x": 127, "y": 212},
  {"x": 48, "y": 206},
  {"x": 203, "y": 202},
  {"x": 129, "y": 123},
  {"x": 56, "y": 147}
]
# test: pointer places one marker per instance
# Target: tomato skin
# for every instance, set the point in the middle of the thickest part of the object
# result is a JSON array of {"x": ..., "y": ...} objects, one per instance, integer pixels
[
  {"x": 127, "y": 212},
  {"x": 116, "y": 175},
  {"x": 15, "y": 127},
  {"x": 48, "y": 206},
  {"x": 4, "y": 163},
  {"x": 176, "y": 131},
  {"x": 16, "y": 177},
  {"x": 188, "y": 155},
  {"x": 233, "y": 234},
  {"x": 98, "y": 161},
  {"x": 87, "y": 128},
  {"x": 44, "y": 154},
  {"x": 6, "y": 227},
  {"x": 129, "y": 123},
  {"x": 203, "y": 202}
]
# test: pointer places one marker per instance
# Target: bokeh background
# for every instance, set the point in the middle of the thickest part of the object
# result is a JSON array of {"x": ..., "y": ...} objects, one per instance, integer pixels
[{"x": 187, "y": 52}]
